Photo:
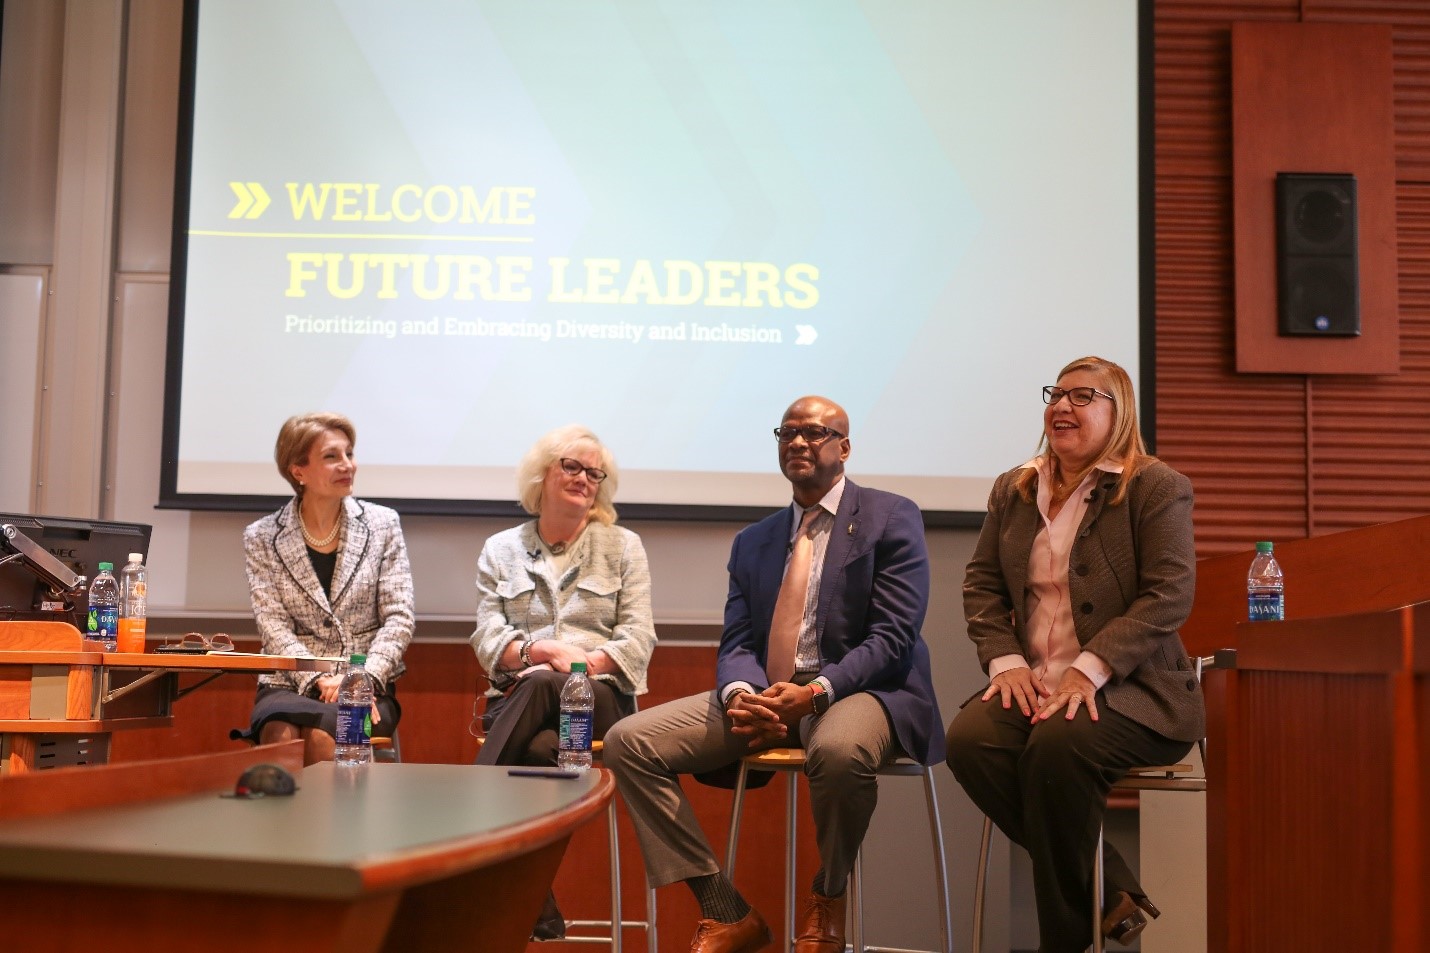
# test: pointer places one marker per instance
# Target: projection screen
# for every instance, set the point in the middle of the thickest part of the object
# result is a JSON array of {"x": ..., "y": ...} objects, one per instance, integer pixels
[{"x": 465, "y": 223}]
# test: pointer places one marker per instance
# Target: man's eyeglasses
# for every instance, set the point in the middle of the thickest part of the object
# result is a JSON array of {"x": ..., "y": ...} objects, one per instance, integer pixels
[
  {"x": 1077, "y": 396},
  {"x": 811, "y": 434},
  {"x": 572, "y": 467}
]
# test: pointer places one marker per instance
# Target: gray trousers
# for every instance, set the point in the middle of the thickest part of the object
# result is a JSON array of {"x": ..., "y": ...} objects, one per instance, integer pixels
[{"x": 648, "y": 751}]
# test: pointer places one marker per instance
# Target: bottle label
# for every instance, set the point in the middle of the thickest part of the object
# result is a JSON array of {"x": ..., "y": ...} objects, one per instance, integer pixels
[
  {"x": 354, "y": 724},
  {"x": 1265, "y": 606},
  {"x": 575, "y": 729},
  {"x": 103, "y": 624}
]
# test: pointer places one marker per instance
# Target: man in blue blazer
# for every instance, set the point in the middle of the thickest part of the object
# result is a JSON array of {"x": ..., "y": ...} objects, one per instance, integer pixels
[{"x": 821, "y": 648}]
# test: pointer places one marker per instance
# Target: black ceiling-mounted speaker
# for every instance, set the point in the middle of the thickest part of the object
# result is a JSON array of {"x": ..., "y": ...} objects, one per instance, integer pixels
[{"x": 1317, "y": 263}]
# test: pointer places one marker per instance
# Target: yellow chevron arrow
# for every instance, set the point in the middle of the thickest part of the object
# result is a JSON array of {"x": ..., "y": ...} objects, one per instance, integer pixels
[{"x": 252, "y": 200}]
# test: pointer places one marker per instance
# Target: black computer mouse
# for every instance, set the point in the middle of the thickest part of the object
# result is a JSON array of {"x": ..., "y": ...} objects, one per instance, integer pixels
[{"x": 264, "y": 780}]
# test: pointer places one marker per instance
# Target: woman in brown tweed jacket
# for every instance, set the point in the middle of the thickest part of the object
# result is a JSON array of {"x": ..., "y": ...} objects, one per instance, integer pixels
[{"x": 1082, "y": 575}]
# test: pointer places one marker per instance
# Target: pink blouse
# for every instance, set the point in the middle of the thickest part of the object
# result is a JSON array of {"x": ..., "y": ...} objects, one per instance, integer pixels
[{"x": 1052, "y": 638}]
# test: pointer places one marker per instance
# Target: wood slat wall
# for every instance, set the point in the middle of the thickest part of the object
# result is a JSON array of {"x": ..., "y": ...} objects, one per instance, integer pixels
[{"x": 1279, "y": 456}]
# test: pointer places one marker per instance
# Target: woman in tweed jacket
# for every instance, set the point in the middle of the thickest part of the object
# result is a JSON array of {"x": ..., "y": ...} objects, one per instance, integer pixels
[
  {"x": 327, "y": 576},
  {"x": 1082, "y": 575}
]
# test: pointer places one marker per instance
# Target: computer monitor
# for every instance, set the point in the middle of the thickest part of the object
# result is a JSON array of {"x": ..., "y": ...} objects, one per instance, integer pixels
[{"x": 33, "y": 587}]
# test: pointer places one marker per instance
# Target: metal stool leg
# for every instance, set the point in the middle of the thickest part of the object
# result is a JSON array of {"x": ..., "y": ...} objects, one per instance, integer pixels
[
  {"x": 940, "y": 863},
  {"x": 980, "y": 884},
  {"x": 791, "y": 809},
  {"x": 1097, "y": 894},
  {"x": 616, "y": 922},
  {"x": 737, "y": 807},
  {"x": 906, "y": 768},
  {"x": 651, "y": 943},
  {"x": 856, "y": 903}
]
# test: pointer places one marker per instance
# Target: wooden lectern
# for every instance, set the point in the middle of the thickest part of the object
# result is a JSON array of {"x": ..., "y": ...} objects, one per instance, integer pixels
[
  {"x": 61, "y": 697},
  {"x": 1317, "y": 837}
]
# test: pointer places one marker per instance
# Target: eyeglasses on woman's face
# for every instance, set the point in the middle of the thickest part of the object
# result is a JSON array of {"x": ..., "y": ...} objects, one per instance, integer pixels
[
  {"x": 1077, "y": 396},
  {"x": 572, "y": 467}
]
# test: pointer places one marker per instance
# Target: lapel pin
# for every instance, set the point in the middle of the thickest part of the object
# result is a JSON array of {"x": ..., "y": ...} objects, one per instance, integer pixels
[{"x": 851, "y": 529}]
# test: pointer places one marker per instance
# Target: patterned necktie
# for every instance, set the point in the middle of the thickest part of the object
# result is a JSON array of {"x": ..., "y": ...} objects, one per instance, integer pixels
[{"x": 789, "y": 607}]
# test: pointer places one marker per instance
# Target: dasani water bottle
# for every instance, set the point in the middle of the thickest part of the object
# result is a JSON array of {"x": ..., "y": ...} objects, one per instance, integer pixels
[
  {"x": 578, "y": 704},
  {"x": 354, "y": 740},
  {"x": 1265, "y": 588},
  {"x": 103, "y": 623}
]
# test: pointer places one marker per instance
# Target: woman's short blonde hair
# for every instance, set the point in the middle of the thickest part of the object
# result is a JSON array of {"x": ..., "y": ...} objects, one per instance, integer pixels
[
  {"x": 1124, "y": 445},
  {"x": 297, "y": 436},
  {"x": 566, "y": 442}
]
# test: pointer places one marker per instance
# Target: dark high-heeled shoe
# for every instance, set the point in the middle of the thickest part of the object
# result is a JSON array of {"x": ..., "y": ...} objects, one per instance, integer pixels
[{"x": 1127, "y": 918}]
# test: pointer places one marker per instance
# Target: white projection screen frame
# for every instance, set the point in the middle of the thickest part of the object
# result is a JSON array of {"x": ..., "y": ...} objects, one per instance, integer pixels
[{"x": 464, "y": 223}]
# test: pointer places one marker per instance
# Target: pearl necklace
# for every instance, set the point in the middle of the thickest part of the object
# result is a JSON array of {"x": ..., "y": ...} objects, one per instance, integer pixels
[{"x": 326, "y": 540}]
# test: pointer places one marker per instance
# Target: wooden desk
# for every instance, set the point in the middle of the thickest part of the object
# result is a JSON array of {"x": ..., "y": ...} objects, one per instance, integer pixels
[
  {"x": 391, "y": 857},
  {"x": 61, "y": 697},
  {"x": 1316, "y": 805},
  {"x": 1318, "y": 810}
]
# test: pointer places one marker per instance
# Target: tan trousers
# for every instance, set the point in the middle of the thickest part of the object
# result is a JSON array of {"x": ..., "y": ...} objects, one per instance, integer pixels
[{"x": 648, "y": 751}]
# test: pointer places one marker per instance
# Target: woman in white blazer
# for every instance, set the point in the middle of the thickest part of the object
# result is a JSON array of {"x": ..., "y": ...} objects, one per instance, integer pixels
[
  {"x": 327, "y": 576},
  {"x": 568, "y": 586}
]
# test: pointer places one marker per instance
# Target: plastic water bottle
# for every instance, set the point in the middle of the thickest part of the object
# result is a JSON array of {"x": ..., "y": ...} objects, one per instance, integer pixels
[
  {"x": 578, "y": 705},
  {"x": 1265, "y": 588},
  {"x": 103, "y": 625},
  {"x": 354, "y": 741},
  {"x": 133, "y": 604}
]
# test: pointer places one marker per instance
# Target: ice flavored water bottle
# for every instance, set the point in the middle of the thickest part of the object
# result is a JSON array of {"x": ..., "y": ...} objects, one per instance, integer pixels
[{"x": 133, "y": 604}]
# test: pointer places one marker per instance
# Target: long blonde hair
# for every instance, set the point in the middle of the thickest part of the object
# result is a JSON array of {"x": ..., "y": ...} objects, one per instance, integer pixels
[{"x": 1124, "y": 444}]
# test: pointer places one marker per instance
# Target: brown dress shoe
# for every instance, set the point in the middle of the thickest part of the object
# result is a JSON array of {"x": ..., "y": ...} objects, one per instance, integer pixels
[
  {"x": 823, "y": 929},
  {"x": 743, "y": 936}
]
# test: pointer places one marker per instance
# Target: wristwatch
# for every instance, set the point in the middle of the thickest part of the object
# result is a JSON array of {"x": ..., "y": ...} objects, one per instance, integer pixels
[{"x": 820, "y": 700}]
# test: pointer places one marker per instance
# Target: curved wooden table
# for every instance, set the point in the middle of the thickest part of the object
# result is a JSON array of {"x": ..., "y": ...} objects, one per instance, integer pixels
[{"x": 388, "y": 857}]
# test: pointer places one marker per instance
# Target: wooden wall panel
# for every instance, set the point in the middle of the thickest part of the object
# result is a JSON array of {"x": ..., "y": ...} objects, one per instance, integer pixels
[
  {"x": 1299, "y": 853},
  {"x": 1279, "y": 456},
  {"x": 1313, "y": 97}
]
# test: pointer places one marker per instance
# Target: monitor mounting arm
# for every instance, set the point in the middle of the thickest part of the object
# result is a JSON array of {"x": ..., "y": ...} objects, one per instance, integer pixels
[{"x": 53, "y": 573}]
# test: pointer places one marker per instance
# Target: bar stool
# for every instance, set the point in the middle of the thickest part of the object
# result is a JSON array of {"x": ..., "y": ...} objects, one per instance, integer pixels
[
  {"x": 790, "y": 761},
  {"x": 1168, "y": 777},
  {"x": 613, "y": 936},
  {"x": 387, "y": 750}
]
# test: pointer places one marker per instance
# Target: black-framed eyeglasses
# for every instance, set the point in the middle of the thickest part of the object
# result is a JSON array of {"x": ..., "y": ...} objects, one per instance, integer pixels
[
  {"x": 1077, "y": 396},
  {"x": 811, "y": 434},
  {"x": 572, "y": 467}
]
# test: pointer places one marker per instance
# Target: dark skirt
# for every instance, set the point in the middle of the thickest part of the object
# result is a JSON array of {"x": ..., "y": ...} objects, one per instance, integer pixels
[{"x": 283, "y": 704}]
